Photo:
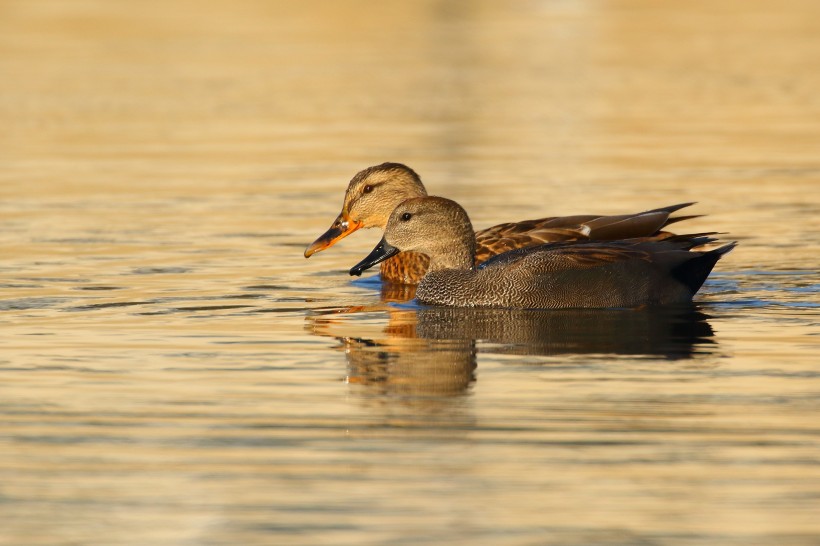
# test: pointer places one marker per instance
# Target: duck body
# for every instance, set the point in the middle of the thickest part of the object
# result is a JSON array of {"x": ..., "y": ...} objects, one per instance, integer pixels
[
  {"x": 374, "y": 193},
  {"x": 628, "y": 273},
  {"x": 584, "y": 275}
]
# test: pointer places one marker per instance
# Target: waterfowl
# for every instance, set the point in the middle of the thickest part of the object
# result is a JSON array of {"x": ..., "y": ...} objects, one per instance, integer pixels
[
  {"x": 628, "y": 273},
  {"x": 374, "y": 192}
]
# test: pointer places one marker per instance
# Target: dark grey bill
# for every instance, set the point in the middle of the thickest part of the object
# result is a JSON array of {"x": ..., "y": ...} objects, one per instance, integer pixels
[{"x": 379, "y": 254}]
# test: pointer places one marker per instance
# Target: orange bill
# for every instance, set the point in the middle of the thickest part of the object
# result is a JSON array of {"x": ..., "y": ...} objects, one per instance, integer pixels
[{"x": 341, "y": 228}]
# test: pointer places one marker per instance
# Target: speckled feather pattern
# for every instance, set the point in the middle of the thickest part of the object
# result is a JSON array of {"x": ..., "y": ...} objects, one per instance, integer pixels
[
  {"x": 376, "y": 191},
  {"x": 571, "y": 277},
  {"x": 404, "y": 268},
  {"x": 410, "y": 267}
]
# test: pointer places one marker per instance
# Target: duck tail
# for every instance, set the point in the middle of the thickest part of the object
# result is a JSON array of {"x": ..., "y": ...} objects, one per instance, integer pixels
[
  {"x": 676, "y": 219},
  {"x": 688, "y": 241},
  {"x": 673, "y": 208},
  {"x": 692, "y": 273}
]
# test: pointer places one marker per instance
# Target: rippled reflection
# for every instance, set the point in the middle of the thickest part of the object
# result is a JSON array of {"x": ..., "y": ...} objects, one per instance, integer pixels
[
  {"x": 432, "y": 351},
  {"x": 671, "y": 333}
]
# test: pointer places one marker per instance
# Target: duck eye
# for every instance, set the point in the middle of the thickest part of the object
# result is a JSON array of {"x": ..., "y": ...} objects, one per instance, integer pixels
[
  {"x": 368, "y": 189},
  {"x": 406, "y": 216}
]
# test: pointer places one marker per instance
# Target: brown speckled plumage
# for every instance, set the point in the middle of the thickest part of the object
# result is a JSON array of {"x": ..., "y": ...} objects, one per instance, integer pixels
[
  {"x": 374, "y": 192},
  {"x": 627, "y": 273},
  {"x": 404, "y": 268}
]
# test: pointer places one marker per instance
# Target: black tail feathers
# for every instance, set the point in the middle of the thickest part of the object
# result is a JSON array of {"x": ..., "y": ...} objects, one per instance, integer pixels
[{"x": 693, "y": 273}]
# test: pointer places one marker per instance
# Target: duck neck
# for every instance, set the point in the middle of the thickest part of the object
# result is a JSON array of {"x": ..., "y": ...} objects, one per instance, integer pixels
[{"x": 461, "y": 258}]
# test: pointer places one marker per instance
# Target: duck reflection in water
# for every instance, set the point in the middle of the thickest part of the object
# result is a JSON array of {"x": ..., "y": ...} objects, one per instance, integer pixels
[
  {"x": 393, "y": 361},
  {"x": 431, "y": 352}
]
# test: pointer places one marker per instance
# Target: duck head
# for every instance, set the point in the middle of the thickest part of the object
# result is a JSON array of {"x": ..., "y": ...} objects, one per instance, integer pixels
[
  {"x": 370, "y": 197},
  {"x": 434, "y": 226}
]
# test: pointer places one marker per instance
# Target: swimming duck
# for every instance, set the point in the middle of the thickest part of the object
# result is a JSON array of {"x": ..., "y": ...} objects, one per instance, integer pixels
[
  {"x": 374, "y": 192},
  {"x": 627, "y": 273}
]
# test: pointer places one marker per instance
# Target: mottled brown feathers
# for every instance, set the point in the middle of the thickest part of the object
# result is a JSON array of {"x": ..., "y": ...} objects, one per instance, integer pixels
[
  {"x": 405, "y": 268},
  {"x": 373, "y": 193}
]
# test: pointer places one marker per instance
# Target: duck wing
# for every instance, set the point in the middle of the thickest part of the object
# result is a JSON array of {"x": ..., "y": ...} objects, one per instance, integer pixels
[
  {"x": 594, "y": 255},
  {"x": 509, "y": 236},
  {"x": 667, "y": 251},
  {"x": 573, "y": 255}
]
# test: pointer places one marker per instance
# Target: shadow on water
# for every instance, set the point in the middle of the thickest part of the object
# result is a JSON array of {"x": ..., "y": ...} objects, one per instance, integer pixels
[{"x": 433, "y": 351}]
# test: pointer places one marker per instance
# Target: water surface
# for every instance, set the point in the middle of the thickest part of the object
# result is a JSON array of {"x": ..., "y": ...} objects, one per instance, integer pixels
[{"x": 175, "y": 372}]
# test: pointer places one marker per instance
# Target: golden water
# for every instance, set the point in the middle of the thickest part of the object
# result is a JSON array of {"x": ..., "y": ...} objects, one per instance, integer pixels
[{"x": 173, "y": 371}]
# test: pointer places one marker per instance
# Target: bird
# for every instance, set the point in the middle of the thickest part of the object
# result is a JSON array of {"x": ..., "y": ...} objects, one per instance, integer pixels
[
  {"x": 627, "y": 273},
  {"x": 373, "y": 193}
]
